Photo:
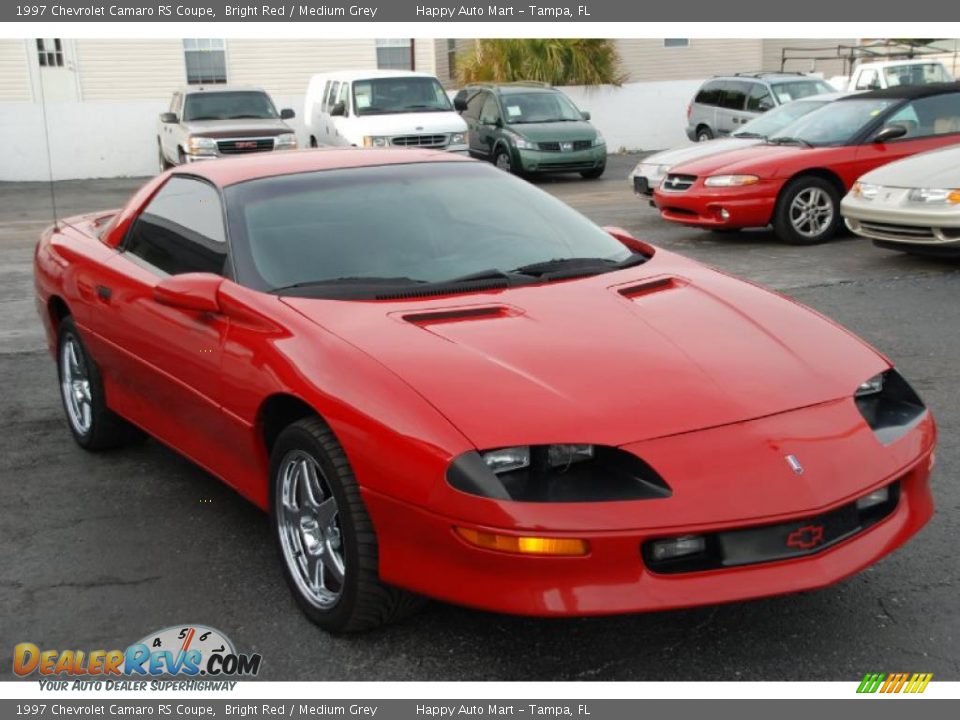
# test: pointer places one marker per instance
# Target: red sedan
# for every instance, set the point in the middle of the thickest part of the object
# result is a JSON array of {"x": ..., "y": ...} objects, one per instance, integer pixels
[
  {"x": 441, "y": 381},
  {"x": 796, "y": 180}
]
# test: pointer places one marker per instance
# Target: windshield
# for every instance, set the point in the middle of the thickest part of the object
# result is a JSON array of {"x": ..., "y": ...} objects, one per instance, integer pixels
[
  {"x": 796, "y": 89},
  {"x": 422, "y": 222},
  {"x": 837, "y": 123},
  {"x": 772, "y": 121},
  {"x": 228, "y": 106},
  {"x": 381, "y": 96},
  {"x": 538, "y": 107},
  {"x": 917, "y": 74}
]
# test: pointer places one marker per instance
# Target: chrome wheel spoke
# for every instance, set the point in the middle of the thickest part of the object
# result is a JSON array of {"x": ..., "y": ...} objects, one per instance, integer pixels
[
  {"x": 333, "y": 565},
  {"x": 326, "y": 513}
]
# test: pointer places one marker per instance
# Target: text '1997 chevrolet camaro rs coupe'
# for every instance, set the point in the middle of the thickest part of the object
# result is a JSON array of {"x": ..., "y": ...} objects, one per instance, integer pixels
[{"x": 441, "y": 381}]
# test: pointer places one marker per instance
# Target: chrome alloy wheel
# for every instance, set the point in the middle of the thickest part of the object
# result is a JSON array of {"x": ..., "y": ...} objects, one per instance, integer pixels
[
  {"x": 811, "y": 212},
  {"x": 310, "y": 530},
  {"x": 75, "y": 386}
]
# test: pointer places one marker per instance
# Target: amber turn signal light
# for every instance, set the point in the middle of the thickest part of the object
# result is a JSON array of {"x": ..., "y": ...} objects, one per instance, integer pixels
[{"x": 524, "y": 545}]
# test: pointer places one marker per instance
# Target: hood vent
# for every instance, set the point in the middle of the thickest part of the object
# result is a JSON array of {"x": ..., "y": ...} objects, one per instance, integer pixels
[
  {"x": 456, "y": 315},
  {"x": 648, "y": 287}
]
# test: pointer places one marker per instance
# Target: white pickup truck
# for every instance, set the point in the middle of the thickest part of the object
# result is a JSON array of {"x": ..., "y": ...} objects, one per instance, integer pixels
[{"x": 891, "y": 73}]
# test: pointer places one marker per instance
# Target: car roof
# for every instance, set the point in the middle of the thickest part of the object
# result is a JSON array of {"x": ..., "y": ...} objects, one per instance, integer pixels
[
  {"x": 767, "y": 75},
  {"x": 350, "y": 75},
  {"x": 890, "y": 63},
  {"x": 210, "y": 89},
  {"x": 907, "y": 92},
  {"x": 241, "y": 168}
]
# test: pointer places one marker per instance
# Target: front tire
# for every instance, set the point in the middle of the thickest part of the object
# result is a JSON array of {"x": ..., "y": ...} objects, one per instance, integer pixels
[
  {"x": 808, "y": 211},
  {"x": 164, "y": 164},
  {"x": 327, "y": 543},
  {"x": 502, "y": 160},
  {"x": 593, "y": 174},
  {"x": 92, "y": 424}
]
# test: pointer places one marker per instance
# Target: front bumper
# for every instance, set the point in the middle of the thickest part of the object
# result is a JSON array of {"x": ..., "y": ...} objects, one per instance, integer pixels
[
  {"x": 935, "y": 228},
  {"x": 420, "y": 551},
  {"x": 701, "y": 206},
  {"x": 540, "y": 161}
]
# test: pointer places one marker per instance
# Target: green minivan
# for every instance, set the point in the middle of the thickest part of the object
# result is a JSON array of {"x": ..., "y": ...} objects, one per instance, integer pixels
[{"x": 529, "y": 129}]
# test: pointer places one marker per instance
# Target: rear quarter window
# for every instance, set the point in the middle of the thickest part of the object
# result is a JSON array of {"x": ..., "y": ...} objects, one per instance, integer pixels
[{"x": 709, "y": 94}]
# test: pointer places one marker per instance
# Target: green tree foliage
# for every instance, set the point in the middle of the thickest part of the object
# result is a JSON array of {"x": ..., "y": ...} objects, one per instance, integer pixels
[{"x": 553, "y": 61}]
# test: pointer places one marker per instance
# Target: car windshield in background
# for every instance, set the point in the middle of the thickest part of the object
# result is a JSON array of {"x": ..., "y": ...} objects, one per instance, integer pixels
[
  {"x": 337, "y": 233},
  {"x": 835, "y": 124},
  {"x": 380, "y": 96},
  {"x": 796, "y": 89},
  {"x": 772, "y": 121},
  {"x": 922, "y": 74},
  {"x": 538, "y": 107},
  {"x": 228, "y": 106}
]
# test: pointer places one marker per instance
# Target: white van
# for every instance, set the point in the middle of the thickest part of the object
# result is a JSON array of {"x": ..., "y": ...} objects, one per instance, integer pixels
[{"x": 382, "y": 108}]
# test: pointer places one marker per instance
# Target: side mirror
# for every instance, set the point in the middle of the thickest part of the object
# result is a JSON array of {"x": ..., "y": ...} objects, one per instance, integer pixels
[
  {"x": 584, "y": 114},
  {"x": 890, "y": 132},
  {"x": 169, "y": 117},
  {"x": 459, "y": 104},
  {"x": 190, "y": 291},
  {"x": 765, "y": 105},
  {"x": 287, "y": 114},
  {"x": 338, "y": 109}
]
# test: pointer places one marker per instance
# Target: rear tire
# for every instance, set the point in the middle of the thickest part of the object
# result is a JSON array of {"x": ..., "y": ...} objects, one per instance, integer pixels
[
  {"x": 313, "y": 142},
  {"x": 704, "y": 133},
  {"x": 807, "y": 212},
  {"x": 92, "y": 424},
  {"x": 327, "y": 542}
]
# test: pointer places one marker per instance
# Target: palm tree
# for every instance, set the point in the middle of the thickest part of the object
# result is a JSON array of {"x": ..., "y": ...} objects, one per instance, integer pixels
[{"x": 553, "y": 61}]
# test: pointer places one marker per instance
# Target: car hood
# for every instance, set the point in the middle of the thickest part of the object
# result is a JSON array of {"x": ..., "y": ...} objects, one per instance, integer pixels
[
  {"x": 688, "y": 154},
  {"x": 937, "y": 169},
  {"x": 580, "y": 361},
  {"x": 762, "y": 158},
  {"x": 403, "y": 123},
  {"x": 556, "y": 131},
  {"x": 244, "y": 127}
]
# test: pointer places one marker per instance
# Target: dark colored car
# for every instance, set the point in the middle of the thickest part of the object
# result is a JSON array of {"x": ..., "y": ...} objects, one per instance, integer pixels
[{"x": 531, "y": 128}]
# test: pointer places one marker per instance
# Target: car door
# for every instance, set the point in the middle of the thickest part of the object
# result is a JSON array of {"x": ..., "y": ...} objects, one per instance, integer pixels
[
  {"x": 164, "y": 362},
  {"x": 168, "y": 134},
  {"x": 931, "y": 123},
  {"x": 472, "y": 117},
  {"x": 731, "y": 111},
  {"x": 488, "y": 125}
]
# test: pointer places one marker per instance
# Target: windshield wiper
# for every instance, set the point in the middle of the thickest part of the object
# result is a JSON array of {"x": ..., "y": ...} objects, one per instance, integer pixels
[
  {"x": 491, "y": 274},
  {"x": 205, "y": 117},
  {"x": 351, "y": 280},
  {"x": 249, "y": 117},
  {"x": 749, "y": 135},
  {"x": 559, "y": 268},
  {"x": 784, "y": 140}
]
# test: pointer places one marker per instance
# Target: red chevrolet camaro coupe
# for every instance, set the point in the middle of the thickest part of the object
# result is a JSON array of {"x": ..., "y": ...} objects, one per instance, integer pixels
[
  {"x": 795, "y": 181},
  {"x": 441, "y": 381}
]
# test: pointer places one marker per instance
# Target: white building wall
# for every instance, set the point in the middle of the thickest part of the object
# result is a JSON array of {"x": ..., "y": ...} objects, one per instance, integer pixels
[
  {"x": 648, "y": 60},
  {"x": 129, "y": 69},
  {"x": 283, "y": 67}
]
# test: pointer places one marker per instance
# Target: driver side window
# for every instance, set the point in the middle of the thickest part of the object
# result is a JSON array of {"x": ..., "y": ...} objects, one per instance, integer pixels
[
  {"x": 490, "y": 112},
  {"x": 759, "y": 99},
  {"x": 181, "y": 230}
]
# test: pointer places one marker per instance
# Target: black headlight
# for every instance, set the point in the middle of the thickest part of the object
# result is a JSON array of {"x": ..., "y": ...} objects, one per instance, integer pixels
[
  {"x": 889, "y": 405},
  {"x": 556, "y": 473}
]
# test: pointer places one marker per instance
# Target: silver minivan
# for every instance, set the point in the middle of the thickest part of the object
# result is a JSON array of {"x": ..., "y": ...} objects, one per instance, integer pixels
[{"x": 725, "y": 103}]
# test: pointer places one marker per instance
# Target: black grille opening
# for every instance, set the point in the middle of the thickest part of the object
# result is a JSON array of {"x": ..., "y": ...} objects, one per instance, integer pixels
[
  {"x": 770, "y": 543},
  {"x": 420, "y": 140},
  {"x": 240, "y": 146}
]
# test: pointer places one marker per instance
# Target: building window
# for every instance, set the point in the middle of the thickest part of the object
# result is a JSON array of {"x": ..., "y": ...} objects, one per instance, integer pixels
[
  {"x": 395, "y": 54},
  {"x": 206, "y": 61},
  {"x": 50, "y": 52},
  {"x": 676, "y": 42},
  {"x": 452, "y": 59}
]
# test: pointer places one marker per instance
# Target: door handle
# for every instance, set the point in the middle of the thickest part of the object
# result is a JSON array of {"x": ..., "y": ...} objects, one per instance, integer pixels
[{"x": 104, "y": 293}]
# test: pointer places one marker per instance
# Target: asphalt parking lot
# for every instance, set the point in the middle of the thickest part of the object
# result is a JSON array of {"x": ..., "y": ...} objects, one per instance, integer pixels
[{"x": 98, "y": 550}]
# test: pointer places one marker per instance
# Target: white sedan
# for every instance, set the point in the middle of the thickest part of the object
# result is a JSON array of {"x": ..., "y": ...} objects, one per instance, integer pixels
[
  {"x": 912, "y": 205},
  {"x": 649, "y": 173}
]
